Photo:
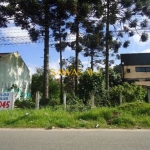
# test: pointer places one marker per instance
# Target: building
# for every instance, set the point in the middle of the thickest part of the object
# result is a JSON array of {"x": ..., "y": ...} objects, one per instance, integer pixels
[
  {"x": 14, "y": 75},
  {"x": 136, "y": 68}
]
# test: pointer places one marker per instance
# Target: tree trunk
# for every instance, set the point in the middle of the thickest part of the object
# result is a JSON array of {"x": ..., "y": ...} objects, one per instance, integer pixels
[
  {"x": 76, "y": 55},
  {"x": 61, "y": 84},
  {"x": 92, "y": 59},
  {"x": 107, "y": 48},
  {"x": 46, "y": 53}
]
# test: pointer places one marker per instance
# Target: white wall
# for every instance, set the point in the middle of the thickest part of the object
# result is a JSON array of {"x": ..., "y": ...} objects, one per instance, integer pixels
[{"x": 13, "y": 70}]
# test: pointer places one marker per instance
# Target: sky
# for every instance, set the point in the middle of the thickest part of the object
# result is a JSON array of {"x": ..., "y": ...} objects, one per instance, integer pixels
[{"x": 33, "y": 53}]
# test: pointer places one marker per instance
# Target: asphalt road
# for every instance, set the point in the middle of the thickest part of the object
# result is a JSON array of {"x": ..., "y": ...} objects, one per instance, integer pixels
[{"x": 71, "y": 139}]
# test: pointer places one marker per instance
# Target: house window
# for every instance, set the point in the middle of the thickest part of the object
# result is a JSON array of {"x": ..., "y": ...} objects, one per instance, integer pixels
[
  {"x": 147, "y": 69},
  {"x": 142, "y": 69},
  {"x": 128, "y": 70}
]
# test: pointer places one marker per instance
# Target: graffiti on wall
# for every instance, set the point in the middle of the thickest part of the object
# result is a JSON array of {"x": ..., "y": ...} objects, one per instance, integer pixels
[{"x": 19, "y": 93}]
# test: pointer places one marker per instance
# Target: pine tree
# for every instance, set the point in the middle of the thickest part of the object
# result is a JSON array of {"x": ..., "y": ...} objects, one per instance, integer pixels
[
  {"x": 93, "y": 42},
  {"x": 83, "y": 8},
  {"x": 37, "y": 17},
  {"x": 60, "y": 34},
  {"x": 121, "y": 17},
  {"x": 5, "y": 14},
  {"x": 69, "y": 80}
]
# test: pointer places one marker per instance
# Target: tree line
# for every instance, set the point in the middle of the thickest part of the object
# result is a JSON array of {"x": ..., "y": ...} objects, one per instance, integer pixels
[{"x": 99, "y": 27}]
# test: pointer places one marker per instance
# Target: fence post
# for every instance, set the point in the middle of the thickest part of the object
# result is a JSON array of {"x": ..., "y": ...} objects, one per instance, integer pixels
[
  {"x": 37, "y": 100},
  {"x": 92, "y": 99},
  {"x": 64, "y": 99}
]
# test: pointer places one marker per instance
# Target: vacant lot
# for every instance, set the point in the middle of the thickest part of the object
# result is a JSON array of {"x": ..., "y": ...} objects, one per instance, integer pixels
[{"x": 131, "y": 115}]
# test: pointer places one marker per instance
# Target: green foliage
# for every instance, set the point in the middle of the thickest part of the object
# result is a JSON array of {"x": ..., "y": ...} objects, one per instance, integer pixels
[
  {"x": 69, "y": 79},
  {"x": 96, "y": 83},
  {"x": 126, "y": 44},
  {"x": 144, "y": 37},
  {"x": 96, "y": 114},
  {"x": 54, "y": 89},
  {"x": 136, "y": 108},
  {"x": 90, "y": 83},
  {"x": 133, "y": 92},
  {"x": 36, "y": 84},
  {"x": 131, "y": 115},
  {"x": 75, "y": 104},
  {"x": 130, "y": 92},
  {"x": 26, "y": 104},
  {"x": 115, "y": 76},
  {"x": 49, "y": 102}
]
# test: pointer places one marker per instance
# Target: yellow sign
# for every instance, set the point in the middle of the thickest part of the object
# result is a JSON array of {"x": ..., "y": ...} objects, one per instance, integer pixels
[{"x": 73, "y": 72}]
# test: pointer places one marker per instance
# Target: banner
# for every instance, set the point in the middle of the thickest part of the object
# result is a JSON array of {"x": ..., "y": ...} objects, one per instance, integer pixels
[{"x": 7, "y": 100}]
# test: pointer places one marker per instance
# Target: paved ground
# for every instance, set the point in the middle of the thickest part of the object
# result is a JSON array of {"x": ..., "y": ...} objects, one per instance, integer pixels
[{"x": 71, "y": 139}]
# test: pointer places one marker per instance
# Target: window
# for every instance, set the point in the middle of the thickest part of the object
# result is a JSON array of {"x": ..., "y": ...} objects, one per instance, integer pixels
[
  {"x": 147, "y": 69},
  {"x": 128, "y": 70},
  {"x": 142, "y": 69}
]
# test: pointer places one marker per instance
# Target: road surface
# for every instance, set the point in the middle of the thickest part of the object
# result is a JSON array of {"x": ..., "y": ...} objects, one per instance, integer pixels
[{"x": 73, "y": 139}]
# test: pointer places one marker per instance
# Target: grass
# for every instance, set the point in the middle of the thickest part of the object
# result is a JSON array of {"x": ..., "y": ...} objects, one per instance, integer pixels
[{"x": 131, "y": 115}]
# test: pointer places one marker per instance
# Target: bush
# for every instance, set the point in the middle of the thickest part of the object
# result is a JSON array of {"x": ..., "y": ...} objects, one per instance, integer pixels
[
  {"x": 37, "y": 85},
  {"x": 75, "y": 104},
  {"x": 25, "y": 104},
  {"x": 49, "y": 102},
  {"x": 130, "y": 92}
]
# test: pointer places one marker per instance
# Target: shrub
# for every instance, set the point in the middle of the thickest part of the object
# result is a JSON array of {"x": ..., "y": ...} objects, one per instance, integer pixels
[
  {"x": 37, "y": 85},
  {"x": 49, "y": 102},
  {"x": 25, "y": 104},
  {"x": 130, "y": 92}
]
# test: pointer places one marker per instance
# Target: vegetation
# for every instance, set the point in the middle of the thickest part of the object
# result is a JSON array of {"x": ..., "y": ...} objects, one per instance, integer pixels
[
  {"x": 90, "y": 22},
  {"x": 130, "y": 93},
  {"x": 37, "y": 80},
  {"x": 105, "y": 21},
  {"x": 129, "y": 115},
  {"x": 90, "y": 84}
]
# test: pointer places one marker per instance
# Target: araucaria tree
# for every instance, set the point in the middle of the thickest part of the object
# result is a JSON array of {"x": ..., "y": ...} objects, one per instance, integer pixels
[
  {"x": 115, "y": 19},
  {"x": 5, "y": 13},
  {"x": 81, "y": 11},
  {"x": 60, "y": 34},
  {"x": 120, "y": 17},
  {"x": 92, "y": 43},
  {"x": 37, "y": 16}
]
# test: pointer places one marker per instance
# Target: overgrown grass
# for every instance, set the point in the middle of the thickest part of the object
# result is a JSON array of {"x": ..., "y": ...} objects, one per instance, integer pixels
[{"x": 131, "y": 115}]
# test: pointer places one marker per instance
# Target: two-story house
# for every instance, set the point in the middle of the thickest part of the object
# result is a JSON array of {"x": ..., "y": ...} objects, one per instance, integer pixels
[{"x": 136, "y": 68}]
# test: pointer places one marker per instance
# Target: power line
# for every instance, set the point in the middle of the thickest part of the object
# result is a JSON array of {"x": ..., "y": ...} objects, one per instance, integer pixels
[{"x": 21, "y": 40}]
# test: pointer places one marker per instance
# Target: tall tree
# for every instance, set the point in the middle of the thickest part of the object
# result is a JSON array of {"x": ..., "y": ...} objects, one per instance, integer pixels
[
  {"x": 120, "y": 17},
  {"x": 71, "y": 73},
  {"x": 37, "y": 85},
  {"x": 37, "y": 16},
  {"x": 93, "y": 42},
  {"x": 60, "y": 36},
  {"x": 83, "y": 8}
]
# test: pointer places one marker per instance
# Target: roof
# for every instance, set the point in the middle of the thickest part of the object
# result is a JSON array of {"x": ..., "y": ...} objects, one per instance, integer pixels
[
  {"x": 135, "y": 59},
  {"x": 2, "y": 54}
]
